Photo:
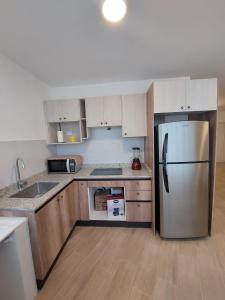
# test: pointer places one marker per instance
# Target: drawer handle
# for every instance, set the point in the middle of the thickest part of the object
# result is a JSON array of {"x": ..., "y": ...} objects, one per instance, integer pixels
[
  {"x": 138, "y": 193},
  {"x": 138, "y": 205}
]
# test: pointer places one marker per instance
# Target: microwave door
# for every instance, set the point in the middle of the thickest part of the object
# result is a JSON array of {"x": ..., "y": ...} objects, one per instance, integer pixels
[{"x": 57, "y": 166}]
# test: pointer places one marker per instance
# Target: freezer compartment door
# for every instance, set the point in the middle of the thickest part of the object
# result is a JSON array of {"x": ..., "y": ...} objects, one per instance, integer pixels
[
  {"x": 184, "y": 200},
  {"x": 187, "y": 141}
]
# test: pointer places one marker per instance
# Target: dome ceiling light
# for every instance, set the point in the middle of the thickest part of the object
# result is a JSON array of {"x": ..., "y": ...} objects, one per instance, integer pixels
[{"x": 114, "y": 10}]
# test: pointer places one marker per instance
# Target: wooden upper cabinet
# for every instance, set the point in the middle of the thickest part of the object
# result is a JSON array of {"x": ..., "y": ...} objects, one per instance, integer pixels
[
  {"x": 134, "y": 116},
  {"x": 94, "y": 112},
  {"x": 104, "y": 111},
  {"x": 62, "y": 110},
  {"x": 202, "y": 95},
  {"x": 112, "y": 111},
  {"x": 170, "y": 95}
]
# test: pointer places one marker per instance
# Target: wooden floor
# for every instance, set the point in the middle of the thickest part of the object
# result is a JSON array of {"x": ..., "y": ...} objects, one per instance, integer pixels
[{"x": 132, "y": 264}]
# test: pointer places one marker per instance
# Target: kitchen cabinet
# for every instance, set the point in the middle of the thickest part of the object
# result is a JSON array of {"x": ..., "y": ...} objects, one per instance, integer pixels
[
  {"x": 83, "y": 200},
  {"x": 50, "y": 226},
  {"x": 134, "y": 119},
  {"x": 202, "y": 95},
  {"x": 104, "y": 111},
  {"x": 68, "y": 209},
  {"x": 138, "y": 212},
  {"x": 170, "y": 95},
  {"x": 62, "y": 110},
  {"x": 184, "y": 95},
  {"x": 47, "y": 236}
]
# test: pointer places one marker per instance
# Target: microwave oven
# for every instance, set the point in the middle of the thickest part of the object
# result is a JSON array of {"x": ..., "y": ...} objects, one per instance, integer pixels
[{"x": 64, "y": 164}]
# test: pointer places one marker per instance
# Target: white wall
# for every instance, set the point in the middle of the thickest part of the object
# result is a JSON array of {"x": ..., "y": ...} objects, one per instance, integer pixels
[
  {"x": 22, "y": 127},
  {"x": 104, "y": 146},
  {"x": 107, "y": 89},
  {"x": 21, "y": 97}
]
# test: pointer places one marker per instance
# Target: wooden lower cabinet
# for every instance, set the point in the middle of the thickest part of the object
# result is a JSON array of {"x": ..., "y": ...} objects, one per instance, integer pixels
[
  {"x": 83, "y": 200},
  {"x": 139, "y": 211},
  {"x": 69, "y": 212},
  {"x": 47, "y": 236},
  {"x": 50, "y": 226}
]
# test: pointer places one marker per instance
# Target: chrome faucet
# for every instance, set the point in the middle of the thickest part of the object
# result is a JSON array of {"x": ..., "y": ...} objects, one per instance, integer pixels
[{"x": 20, "y": 183}]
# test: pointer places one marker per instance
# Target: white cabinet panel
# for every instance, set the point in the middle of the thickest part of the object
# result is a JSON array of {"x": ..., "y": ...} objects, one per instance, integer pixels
[
  {"x": 134, "y": 115},
  {"x": 113, "y": 111},
  {"x": 170, "y": 95},
  {"x": 202, "y": 95},
  {"x": 53, "y": 111},
  {"x": 94, "y": 112},
  {"x": 70, "y": 110},
  {"x": 62, "y": 110}
]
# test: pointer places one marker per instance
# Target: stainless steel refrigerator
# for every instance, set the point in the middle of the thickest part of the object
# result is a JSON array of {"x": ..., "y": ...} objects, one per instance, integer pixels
[{"x": 182, "y": 165}]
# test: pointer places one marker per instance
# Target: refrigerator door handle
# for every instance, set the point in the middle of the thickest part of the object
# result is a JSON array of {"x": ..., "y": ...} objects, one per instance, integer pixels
[
  {"x": 165, "y": 148},
  {"x": 164, "y": 161},
  {"x": 165, "y": 179}
]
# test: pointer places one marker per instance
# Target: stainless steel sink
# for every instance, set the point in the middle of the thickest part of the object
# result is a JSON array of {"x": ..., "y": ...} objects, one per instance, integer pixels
[{"x": 36, "y": 190}]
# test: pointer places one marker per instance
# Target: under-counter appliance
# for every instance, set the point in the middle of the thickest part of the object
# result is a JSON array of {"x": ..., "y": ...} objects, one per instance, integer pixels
[
  {"x": 182, "y": 173},
  {"x": 64, "y": 164}
]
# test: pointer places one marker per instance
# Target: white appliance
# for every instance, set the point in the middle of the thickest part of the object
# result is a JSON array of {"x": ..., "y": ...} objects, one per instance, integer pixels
[
  {"x": 182, "y": 172},
  {"x": 17, "y": 277}
]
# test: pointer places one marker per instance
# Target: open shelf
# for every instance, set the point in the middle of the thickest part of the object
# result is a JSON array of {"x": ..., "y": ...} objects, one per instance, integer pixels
[{"x": 102, "y": 215}]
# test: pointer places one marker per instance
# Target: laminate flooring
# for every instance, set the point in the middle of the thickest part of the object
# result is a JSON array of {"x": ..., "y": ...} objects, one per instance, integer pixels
[{"x": 132, "y": 264}]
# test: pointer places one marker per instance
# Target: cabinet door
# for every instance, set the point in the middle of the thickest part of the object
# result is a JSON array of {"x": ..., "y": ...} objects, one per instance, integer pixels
[
  {"x": 170, "y": 95},
  {"x": 94, "y": 112},
  {"x": 49, "y": 239},
  {"x": 202, "y": 95},
  {"x": 53, "y": 111},
  {"x": 134, "y": 113},
  {"x": 83, "y": 200},
  {"x": 112, "y": 111},
  {"x": 69, "y": 208},
  {"x": 70, "y": 110},
  {"x": 138, "y": 212}
]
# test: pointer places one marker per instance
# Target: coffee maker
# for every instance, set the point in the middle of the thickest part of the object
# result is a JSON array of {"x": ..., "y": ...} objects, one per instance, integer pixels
[{"x": 136, "y": 163}]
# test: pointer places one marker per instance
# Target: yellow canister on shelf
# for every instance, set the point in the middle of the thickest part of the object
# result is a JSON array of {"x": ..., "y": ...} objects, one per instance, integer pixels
[{"x": 72, "y": 138}]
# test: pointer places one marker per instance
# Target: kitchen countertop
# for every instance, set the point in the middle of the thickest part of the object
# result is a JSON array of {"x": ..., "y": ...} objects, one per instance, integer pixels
[
  {"x": 33, "y": 204},
  {"x": 8, "y": 225}
]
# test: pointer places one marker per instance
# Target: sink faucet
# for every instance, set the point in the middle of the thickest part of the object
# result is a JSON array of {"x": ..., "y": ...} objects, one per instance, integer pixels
[{"x": 20, "y": 183}]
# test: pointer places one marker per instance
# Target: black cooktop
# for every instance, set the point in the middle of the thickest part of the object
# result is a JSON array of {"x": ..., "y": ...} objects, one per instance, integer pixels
[{"x": 106, "y": 171}]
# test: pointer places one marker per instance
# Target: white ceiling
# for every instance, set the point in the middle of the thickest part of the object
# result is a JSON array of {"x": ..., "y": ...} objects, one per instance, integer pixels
[{"x": 66, "y": 42}]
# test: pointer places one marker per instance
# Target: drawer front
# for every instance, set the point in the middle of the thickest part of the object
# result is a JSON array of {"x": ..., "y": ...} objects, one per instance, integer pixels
[
  {"x": 137, "y": 185},
  {"x": 139, "y": 195},
  {"x": 139, "y": 212},
  {"x": 107, "y": 183}
]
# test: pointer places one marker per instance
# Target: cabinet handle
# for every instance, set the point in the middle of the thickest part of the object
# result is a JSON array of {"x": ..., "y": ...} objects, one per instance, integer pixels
[
  {"x": 138, "y": 205},
  {"x": 138, "y": 193},
  {"x": 106, "y": 123},
  {"x": 64, "y": 118},
  {"x": 181, "y": 107},
  {"x": 101, "y": 123},
  {"x": 61, "y": 197},
  {"x": 60, "y": 118},
  {"x": 188, "y": 107},
  {"x": 125, "y": 133}
]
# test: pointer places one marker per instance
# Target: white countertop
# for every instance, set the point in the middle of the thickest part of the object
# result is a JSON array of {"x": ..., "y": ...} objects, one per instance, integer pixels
[{"x": 8, "y": 225}]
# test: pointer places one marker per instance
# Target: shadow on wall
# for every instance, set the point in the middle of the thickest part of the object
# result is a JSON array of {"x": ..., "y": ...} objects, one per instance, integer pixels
[{"x": 104, "y": 146}]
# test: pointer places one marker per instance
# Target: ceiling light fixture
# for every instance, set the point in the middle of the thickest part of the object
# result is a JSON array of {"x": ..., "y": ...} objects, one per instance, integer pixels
[{"x": 114, "y": 10}]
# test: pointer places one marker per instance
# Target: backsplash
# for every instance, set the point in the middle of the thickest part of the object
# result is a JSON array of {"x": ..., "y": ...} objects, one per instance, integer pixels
[
  {"x": 34, "y": 154},
  {"x": 104, "y": 146}
]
